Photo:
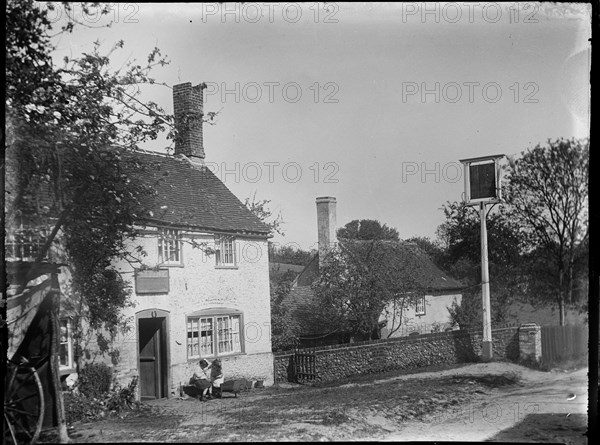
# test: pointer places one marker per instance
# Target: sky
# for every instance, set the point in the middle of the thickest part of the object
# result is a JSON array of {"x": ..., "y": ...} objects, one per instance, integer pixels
[{"x": 373, "y": 104}]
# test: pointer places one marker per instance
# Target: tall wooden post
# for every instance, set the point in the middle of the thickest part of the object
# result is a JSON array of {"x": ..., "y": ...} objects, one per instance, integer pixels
[
  {"x": 482, "y": 186},
  {"x": 487, "y": 349},
  {"x": 61, "y": 424}
]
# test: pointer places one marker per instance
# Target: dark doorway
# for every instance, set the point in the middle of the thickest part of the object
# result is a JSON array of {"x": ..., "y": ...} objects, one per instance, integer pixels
[{"x": 153, "y": 357}]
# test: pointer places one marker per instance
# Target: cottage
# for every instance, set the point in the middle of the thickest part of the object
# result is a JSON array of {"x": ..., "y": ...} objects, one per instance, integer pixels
[
  {"x": 428, "y": 314},
  {"x": 202, "y": 288},
  {"x": 206, "y": 292}
]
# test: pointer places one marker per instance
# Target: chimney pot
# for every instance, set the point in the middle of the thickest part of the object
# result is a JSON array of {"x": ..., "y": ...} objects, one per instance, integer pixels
[
  {"x": 188, "y": 112},
  {"x": 326, "y": 224}
]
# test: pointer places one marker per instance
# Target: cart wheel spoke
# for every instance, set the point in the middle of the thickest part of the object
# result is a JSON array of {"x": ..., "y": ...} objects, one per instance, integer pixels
[
  {"x": 22, "y": 399},
  {"x": 8, "y": 428},
  {"x": 23, "y": 429},
  {"x": 12, "y": 411},
  {"x": 23, "y": 405},
  {"x": 22, "y": 426}
]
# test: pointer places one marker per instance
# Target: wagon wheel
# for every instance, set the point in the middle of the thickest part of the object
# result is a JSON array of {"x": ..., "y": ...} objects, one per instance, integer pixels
[{"x": 23, "y": 404}]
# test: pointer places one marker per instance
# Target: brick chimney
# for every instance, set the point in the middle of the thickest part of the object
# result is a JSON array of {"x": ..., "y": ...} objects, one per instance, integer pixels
[
  {"x": 188, "y": 112},
  {"x": 326, "y": 224}
]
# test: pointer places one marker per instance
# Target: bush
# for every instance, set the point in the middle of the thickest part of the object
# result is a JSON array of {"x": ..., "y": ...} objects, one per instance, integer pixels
[
  {"x": 436, "y": 327},
  {"x": 79, "y": 406},
  {"x": 94, "y": 379},
  {"x": 123, "y": 398}
]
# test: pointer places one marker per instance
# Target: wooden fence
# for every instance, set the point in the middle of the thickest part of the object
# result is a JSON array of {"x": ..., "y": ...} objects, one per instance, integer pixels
[{"x": 564, "y": 343}]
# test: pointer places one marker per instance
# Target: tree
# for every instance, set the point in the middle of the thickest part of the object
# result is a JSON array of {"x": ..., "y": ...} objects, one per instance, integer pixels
[
  {"x": 68, "y": 130},
  {"x": 359, "y": 279},
  {"x": 548, "y": 195},
  {"x": 284, "y": 330},
  {"x": 433, "y": 249},
  {"x": 289, "y": 254},
  {"x": 367, "y": 229},
  {"x": 261, "y": 210},
  {"x": 460, "y": 237}
]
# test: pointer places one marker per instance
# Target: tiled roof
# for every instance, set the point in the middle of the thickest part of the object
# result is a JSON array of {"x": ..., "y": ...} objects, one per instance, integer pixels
[
  {"x": 425, "y": 272},
  {"x": 278, "y": 270},
  {"x": 189, "y": 195},
  {"x": 285, "y": 267},
  {"x": 310, "y": 272},
  {"x": 298, "y": 304}
]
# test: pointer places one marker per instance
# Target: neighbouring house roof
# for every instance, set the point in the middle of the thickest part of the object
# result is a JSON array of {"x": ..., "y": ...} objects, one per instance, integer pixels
[
  {"x": 298, "y": 304},
  {"x": 429, "y": 276},
  {"x": 43, "y": 202},
  {"x": 190, "y": 195},
  {"x": 310, "y": 272},
  {"x": 426, "y": 273},
  {"x": 277, "y": 270},
  {"x": 285, "y": 267}
]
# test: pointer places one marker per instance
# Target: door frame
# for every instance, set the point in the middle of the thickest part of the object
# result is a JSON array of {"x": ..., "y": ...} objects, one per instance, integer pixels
[{"x": 156, "y": 313}]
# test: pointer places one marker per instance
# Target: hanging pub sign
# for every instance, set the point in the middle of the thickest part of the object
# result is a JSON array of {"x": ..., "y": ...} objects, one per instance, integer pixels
[
  {"x": 482, "y": 179},
  {"x": 150, "y": 281}
]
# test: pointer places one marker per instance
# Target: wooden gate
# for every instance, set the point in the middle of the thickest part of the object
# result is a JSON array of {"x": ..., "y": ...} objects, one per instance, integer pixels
[
  {"x": 305, "y": 365},
  {"x": 564, "y": 343}
]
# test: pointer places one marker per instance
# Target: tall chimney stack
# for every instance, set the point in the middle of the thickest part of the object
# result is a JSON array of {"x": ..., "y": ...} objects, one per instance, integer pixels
[
  {"x": 188, "y": 112},
  {"x": 326, "y": 225}
]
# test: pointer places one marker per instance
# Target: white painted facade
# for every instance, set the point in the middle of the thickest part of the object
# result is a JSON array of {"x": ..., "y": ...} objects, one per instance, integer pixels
[
  {"x": 432, "y": 317},
  {"x": 197, "y": 284}
]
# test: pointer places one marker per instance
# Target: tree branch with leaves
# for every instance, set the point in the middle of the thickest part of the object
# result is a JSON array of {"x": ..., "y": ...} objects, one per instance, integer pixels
[
  {"x": 359, "y": 279},
  {"x": 548, "y": 195}
]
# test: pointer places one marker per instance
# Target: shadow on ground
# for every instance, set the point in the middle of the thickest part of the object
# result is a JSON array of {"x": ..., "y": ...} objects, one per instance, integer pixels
[{"x": 548, "y": 428}]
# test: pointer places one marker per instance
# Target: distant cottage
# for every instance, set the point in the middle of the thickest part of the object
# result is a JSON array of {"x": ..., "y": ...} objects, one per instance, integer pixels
[{"x": 429, "y": 314}]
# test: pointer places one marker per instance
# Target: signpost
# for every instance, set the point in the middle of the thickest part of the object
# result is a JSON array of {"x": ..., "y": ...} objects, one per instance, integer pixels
[{"x": 482, "y": 186}]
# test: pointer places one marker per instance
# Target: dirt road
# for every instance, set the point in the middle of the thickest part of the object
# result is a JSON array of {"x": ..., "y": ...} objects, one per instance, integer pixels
[
  {"x": 548, "y": 407},
  {"x": 477, "y": 402}
]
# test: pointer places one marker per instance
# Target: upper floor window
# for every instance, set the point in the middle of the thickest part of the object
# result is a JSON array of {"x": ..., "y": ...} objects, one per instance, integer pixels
[
  {"x": 24, "y": 240},
  {"x": 225, "y": 250},
  {"x": 420, "y": 307},
  {"x": 169, "y": 247}
]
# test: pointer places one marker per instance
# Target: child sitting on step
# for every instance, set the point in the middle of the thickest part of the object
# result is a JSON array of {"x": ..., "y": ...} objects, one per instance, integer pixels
[{"x": 216, "y": 377}]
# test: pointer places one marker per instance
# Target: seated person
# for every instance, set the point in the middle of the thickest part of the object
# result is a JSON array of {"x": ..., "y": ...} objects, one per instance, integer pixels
[
  {"x": 203, "y": 382},
  {"x": 216, "y": 377}
]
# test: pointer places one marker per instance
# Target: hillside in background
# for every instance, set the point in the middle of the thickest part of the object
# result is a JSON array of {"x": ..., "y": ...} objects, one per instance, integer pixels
[{"x": 520, "y": 312}]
